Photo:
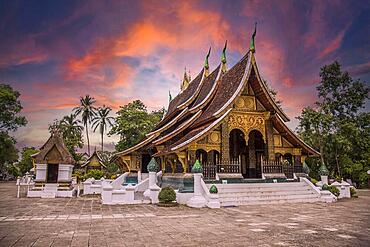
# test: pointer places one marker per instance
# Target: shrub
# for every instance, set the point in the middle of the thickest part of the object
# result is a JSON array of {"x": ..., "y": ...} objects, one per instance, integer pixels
[
  {"x": 314, "y": 181},
  {"x": 167, "y": 195},
  {"x": 213, "y": 189},
  {"x": 334, "y": 190},
  {"x": 96, "y": 174},
  {"x": 353, "y": 192},
  {"x": 153, "y": 166},
  {"x": 197, "y": 167}
]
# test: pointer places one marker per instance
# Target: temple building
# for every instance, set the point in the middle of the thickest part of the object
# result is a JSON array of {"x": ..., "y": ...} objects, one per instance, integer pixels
[
  {"x": 94, "y": 162},
  {"x": 229, "y": 121},
  {"x": 54, "y": 163}
]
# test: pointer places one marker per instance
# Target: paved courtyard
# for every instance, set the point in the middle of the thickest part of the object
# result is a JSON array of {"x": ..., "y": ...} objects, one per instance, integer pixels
[{"x": 85, "y": 222}]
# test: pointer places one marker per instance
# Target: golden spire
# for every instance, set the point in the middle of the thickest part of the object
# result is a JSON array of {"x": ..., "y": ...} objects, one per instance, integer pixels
[{"x": 185, "y": 81}]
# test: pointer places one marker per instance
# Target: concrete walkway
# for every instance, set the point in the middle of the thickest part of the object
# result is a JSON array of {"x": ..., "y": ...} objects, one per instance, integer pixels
[{"x": 85, "y": 222}]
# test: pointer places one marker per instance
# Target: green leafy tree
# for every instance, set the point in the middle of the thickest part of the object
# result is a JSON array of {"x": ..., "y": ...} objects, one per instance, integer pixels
[
  {"x": 25, "y": 164},
  {"x": 10, "y": 120},
  {"x": 8, "y": 151},
  {"x": 102, "y": 120},
  {"x": 87, "y": 112},
  {"x": 10, "y": 108},
  {"x": 314, "y": 127},
  {"x": 344, "y": 142},
  {"x": 133, "y": 122},
  {"x": 111, "y": 168}
]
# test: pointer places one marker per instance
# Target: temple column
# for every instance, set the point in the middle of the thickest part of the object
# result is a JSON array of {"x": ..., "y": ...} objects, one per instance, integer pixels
[
  {"x": 270, "y": 140},
  {"x": 225, "y": 149}
]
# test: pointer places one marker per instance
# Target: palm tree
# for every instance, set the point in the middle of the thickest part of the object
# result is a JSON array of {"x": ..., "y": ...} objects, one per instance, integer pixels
[
  {"x": 70, "y": 125},
  {"x": 87, "y": 112},
  {"x": 102, "y": 120},
  {"x": 71, "y": 129}
]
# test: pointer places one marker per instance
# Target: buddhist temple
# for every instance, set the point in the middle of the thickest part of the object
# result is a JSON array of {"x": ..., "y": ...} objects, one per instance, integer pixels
[
  {"x": 94, "y": 162},
  {"x": 228, "y": 120}
]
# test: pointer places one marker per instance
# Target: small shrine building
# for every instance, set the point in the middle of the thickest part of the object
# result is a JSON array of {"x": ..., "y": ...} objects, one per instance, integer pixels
[
  {"x": 94, "y": 162},
  {"x": 54, "y": 163}
]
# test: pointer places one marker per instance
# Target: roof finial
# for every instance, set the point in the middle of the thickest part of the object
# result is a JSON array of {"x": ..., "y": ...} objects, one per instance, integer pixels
[
  {"x": 252, "y": 47},
  {"x": 169, "y": 96},
  {"x": 223, "y": 58},
  {"x": 185, "y": 81},
  {"x": 206, "y": 63}
]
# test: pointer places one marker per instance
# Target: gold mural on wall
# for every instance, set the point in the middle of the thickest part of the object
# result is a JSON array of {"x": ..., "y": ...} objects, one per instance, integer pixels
[
  {"x": 248, "y": 121},
  {"x": 246, "y": 103}
]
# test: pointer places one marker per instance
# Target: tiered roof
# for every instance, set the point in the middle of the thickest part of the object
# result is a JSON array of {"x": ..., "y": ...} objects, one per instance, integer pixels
[{"x": 206, "y": 101}]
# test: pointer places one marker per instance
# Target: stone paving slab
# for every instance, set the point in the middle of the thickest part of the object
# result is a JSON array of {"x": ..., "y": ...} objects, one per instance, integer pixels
[{"x": 85, "y": 222}]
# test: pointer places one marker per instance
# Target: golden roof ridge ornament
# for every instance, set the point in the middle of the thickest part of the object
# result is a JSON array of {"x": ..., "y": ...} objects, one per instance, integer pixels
[
  {"x": 206, "y": 63},
  {"x": 185, "y": 81},
  {"x": 252, "y": 46},
  {"x": 223, "y": 58}
]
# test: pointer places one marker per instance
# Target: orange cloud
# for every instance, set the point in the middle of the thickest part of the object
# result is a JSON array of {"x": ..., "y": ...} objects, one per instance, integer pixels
[
  {"x": 144, "y": 38},
  {"x": 333, "y": 45}
]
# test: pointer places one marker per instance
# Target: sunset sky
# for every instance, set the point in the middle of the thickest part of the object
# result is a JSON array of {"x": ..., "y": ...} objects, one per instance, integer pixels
[{"x": 53, "y": 52}]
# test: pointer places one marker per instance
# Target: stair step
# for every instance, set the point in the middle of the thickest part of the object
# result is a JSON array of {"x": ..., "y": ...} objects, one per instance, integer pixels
[
  {"x": 260, "y": 185},
  {"x": 257, "y": 198},
  {"x": 261, "y": 202},
  {"x": 265, "y": 193}
]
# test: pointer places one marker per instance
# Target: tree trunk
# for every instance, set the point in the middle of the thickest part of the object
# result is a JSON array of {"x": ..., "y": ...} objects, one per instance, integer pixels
[
  {"x": 88, "y": 140},
  {"x": 336, "y": 159},
  {"x": 102, "y": 134}
]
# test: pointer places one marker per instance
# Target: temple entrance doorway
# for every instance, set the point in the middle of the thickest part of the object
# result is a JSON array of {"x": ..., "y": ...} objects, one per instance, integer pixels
[
  {"x": 52, "y": 176},
  {"x": 256, "y": 150},
  {"x": 145, "y": 159},
  {"x": 238, "y": 149}
]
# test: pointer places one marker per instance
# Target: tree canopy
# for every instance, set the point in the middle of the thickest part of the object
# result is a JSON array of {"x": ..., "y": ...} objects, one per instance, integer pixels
[
  {"x": 25, "y": 164},
  {"x": 10, "y": 107},
  {"x": 10, "y": 120},
  {"x": 337, "y": 126},
  {"x": 133, "y": 122}
]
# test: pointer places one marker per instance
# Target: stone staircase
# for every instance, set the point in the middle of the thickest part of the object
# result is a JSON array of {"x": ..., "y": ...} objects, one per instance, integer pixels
[
  {"x": 266, "y": 193},
  {"x": 49, "y": 191}
]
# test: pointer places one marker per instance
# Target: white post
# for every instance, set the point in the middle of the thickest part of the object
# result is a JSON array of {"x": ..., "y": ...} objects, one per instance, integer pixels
[
  {"x": 324, "y": 179},
  {"x": 153, "y": 187},
  {"x": 106, "y": 194},
  {"x": 130, "y": 193},
  {"x": 138, "y": 176},
  {"x": 197, "y": 201},
  {"x": 18, "y": 186}
]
